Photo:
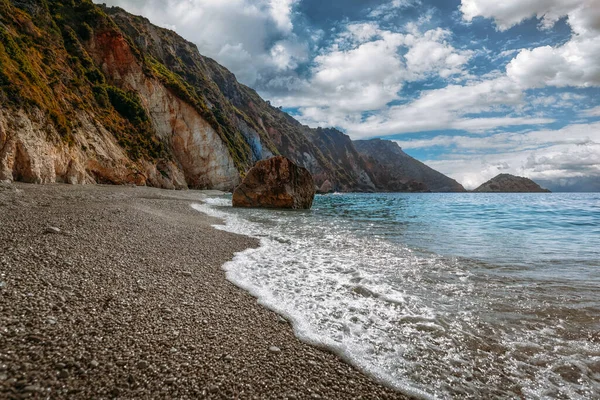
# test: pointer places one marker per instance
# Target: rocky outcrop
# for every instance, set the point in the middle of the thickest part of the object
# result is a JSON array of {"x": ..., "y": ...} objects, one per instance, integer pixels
[
  {"x": 394, "y": 170},
  {"x": 326, "y": 187},
  {"x": 506, "y": 183},
  {"x": 276, "y": 183}
]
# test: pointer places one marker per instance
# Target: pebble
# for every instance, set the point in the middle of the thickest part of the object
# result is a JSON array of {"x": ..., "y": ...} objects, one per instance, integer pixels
[
  {"x": 274, "y": 349},
  {"x": 170, "y": 381},
  {"x": 142, "y": 364},
  {"x": 228, "y": 358},
  {"x": 213, "y": 388},
  {"x": 52, "y": 229},
  {"x": 186, "y": 273},
  {"x": 63, "y": 374},
  {"x": 94, "y": 364},
  {"x": 31, "y": 389}
]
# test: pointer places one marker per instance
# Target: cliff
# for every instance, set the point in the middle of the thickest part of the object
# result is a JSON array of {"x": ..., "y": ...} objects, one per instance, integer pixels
[
  {"x": 506, "y": 183},
  {"x": 394, "y": 170},
  {"x": 95, "y": 94}
]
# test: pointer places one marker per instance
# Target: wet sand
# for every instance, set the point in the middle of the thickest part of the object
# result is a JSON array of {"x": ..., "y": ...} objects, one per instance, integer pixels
[{"x": 129, "y": 300}]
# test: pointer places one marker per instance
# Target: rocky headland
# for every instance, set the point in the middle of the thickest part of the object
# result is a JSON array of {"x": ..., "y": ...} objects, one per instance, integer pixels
[{"x": 506, "y": 183}]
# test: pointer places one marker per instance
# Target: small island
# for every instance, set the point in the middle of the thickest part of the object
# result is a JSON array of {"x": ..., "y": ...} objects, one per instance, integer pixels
[{"x": 506, "y": 183}]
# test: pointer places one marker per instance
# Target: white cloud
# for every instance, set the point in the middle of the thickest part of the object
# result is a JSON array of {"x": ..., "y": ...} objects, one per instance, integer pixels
[
  {"x": 390, "y": 9},
  {"x": 575, "y": 63},
  {"x": 452, "y": 107},
  {"x": 281, "y": 11},
  {"x": 364, "y": 69},
  {"x": 508, "y": 13},
  {"x": 570, "y": 152},
  {"x": 592, "y": 112}
]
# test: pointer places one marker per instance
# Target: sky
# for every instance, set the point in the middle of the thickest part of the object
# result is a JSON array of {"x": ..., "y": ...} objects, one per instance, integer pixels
[{"x": 473, "y": 88}]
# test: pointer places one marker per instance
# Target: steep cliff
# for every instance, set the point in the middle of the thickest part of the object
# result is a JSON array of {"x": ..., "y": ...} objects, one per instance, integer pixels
[
  {"x": 95, "y": 94},
  {"x": 506, "y": 183},
  {"x": 394, "y": 170}
]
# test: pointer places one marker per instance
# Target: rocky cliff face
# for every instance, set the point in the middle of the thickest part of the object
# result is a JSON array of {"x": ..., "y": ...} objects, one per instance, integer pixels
[
  {"x": 394, "y": 170},
  {"x": 94, "y": 94},
  {"x": 506, "y": 183}
]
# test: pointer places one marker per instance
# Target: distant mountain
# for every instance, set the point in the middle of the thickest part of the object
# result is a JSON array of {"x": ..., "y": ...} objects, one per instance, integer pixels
[
  {"x": 574, "y": 184},
  {"x": 394, "y": 170},
  {"x": 506, "y": 183}
]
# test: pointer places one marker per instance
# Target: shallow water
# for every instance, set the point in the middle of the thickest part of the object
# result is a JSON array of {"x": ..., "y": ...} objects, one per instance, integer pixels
[{"x": 438, "y": 295}]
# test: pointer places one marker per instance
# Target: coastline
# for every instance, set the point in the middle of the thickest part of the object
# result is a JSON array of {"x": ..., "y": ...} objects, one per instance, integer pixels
[{"x": 130, "y": 300}]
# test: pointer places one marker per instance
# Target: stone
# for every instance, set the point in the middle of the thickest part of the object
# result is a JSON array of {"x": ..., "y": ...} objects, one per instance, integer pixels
[
  {"x": 326, "y": 187},
  {"x": 94, "y": 364},
  {"x": 274, "y": 349},
  {"x": 142, "y": 364},
  {"x": 213, "y": 388},
  {"x": 276, "y": 183},
  {"x": 63, "y": 374},
  {"x": 32, "y": 389},
  {"x": 52, "y": 230}
]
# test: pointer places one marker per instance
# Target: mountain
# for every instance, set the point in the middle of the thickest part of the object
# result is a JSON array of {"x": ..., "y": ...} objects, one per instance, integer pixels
[
  {"x": 394, "y": 170},
  {"x": 92, "y": 93},
  {"x": 506, "y": 183}
]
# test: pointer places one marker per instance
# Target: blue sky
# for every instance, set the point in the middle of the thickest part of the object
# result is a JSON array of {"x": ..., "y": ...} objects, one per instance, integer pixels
[{"x": 472, "y": 87}]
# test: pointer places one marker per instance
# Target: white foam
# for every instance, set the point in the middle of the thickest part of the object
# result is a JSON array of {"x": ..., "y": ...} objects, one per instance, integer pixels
[
  {"x": 413, "y": 322},
  {"x": 310, "y": 288}
]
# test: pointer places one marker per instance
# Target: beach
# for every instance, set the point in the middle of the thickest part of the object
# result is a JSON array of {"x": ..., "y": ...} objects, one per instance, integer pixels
[{"x": 119, "y": 292}]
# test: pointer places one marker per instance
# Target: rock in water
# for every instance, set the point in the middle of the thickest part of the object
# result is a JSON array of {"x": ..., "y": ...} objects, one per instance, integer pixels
[{"x": 276, "y": 183}]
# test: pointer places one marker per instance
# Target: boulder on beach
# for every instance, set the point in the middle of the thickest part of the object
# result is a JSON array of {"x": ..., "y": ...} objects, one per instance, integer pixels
[{"x": 276, "y": 183}]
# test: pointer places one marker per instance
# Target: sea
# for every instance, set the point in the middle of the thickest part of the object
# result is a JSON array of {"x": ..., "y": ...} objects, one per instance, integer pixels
[{"x": 458, "y": 295}]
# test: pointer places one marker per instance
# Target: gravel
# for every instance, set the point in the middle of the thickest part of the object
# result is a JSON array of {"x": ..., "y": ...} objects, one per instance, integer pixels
[{"x": 83, "y": 313}]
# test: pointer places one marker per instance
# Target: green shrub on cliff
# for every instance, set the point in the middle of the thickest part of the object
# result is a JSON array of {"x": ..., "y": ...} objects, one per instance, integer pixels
[{"x": 127, "y": 104}]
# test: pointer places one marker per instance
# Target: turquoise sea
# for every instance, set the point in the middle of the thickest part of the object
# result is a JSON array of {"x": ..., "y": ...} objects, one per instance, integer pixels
[{"x": 438, "y": 295}]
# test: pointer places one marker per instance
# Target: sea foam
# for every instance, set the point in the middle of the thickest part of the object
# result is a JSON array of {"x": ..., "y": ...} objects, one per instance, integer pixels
[{"x": 429, "y": 326}]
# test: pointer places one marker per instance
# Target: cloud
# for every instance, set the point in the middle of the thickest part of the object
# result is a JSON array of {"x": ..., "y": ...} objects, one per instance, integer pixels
[
  {"x": 364, "y": 70},
  {"x": 390, "y": 9},
  {"x": 250, "y": 37},
  {"x": 591, "y": 112},
  {"x": 456, "y": 107},
  {"x": 575, "y": 63},
  {"x": 508, "y": 13},
  {"x": 550, "y": 155}
]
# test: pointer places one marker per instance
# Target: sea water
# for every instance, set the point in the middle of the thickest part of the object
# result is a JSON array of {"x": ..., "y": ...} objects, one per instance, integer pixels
[{"x": 437, "y": 295}]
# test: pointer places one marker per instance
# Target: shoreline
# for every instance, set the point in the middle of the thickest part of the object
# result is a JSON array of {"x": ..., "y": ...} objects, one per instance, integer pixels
[{"x": 130, "y": 300}]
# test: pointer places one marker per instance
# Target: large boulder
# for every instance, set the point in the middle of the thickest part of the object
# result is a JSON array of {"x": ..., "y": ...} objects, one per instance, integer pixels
[{"x": 276, "y": 183}]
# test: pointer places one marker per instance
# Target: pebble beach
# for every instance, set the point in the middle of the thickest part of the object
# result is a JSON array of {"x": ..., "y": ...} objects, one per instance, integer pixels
[{"x": 118, "y": 292}]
